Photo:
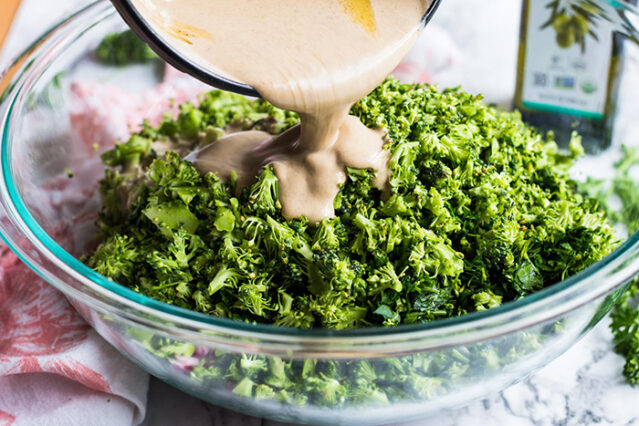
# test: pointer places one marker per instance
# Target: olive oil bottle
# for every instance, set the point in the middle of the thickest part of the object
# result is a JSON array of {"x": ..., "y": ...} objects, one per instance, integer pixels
[{"x": 569, "y": 70}]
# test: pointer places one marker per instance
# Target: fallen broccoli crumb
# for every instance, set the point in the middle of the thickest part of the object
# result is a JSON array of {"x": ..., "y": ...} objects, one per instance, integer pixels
[
  {"x": 481, "y": 211},
  {"x": 123, "y": 48},
  {"x": 625, "y": 315}
]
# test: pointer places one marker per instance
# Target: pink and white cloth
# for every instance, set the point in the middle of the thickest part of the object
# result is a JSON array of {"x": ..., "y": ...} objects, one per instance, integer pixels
[{"x": 54, "y": 369}]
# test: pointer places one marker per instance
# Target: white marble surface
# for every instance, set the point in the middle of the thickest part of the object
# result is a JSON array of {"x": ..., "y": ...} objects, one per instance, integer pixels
[{"x": 582, "y": 387}]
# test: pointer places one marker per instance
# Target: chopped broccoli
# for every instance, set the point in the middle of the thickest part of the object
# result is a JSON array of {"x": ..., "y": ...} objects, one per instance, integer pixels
[
  {"x": 480, "y": 211},
  {"x": 123, "y": 48}
]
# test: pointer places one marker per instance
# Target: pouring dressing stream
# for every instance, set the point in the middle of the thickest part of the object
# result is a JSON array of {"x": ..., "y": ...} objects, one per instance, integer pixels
[{"x": 316, "y": 58}]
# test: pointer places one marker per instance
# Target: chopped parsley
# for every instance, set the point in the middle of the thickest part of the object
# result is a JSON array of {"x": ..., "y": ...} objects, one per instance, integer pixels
[{"x": 625, "y": 315}]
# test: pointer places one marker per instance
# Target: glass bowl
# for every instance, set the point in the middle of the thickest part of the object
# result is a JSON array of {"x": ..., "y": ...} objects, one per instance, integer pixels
[{"x": 338, "y": 376}]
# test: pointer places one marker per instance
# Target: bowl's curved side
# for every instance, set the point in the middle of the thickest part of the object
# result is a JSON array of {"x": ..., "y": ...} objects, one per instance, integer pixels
[
  {"x": 360, "y": 376},
  {"x": 396, "y": 388}
]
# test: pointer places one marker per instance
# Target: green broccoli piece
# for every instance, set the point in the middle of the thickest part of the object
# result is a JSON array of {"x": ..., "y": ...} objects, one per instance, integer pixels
[
  {"x": 244, "y": 388},
  {"x": 172, "y": 217},
  {"x": 123, "y": 49},
  {"x": 189, "y": 121},
  {"x": 128, "y": 154},
  {"x": 116, "y": 258}
]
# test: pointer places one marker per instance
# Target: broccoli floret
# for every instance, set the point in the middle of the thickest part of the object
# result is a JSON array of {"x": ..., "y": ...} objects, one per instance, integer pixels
[
  {"x": 326, "y": 390},
  {"x": 244, "y": 388},
  {"x": 190, "y": 121},
  {"x": 264, "y": 198},
  {"x": 128, "y": 154},
  {"x": 225, "y": 277},
  {"x": 123, "y": 48},
  {"x": 116, "y": 258}
]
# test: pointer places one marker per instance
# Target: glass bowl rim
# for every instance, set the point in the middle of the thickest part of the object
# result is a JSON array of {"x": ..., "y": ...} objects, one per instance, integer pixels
[{"x": 614, "y": 270}]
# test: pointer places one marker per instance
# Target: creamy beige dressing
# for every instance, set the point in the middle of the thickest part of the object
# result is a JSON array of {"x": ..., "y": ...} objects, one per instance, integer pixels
[{"x": 315, "y": 57}]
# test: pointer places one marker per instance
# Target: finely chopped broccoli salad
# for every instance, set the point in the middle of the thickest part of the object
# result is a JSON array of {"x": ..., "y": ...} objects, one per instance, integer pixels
[{"x": 481, "y": 210}]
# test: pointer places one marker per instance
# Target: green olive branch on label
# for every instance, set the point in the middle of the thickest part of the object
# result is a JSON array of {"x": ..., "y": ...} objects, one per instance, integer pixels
[{"x": 574, "y": 20}]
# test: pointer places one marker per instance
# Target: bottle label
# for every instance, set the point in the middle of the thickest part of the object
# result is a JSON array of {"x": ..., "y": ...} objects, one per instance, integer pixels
[{"x": 560, "y": 76}]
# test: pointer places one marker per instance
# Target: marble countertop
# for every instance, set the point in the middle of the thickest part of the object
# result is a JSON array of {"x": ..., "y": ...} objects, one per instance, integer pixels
[{"x": 582, "y": 387}]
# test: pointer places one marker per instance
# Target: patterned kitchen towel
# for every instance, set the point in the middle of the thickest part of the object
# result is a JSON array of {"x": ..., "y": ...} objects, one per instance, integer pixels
[{"x": 54, "y": 369}]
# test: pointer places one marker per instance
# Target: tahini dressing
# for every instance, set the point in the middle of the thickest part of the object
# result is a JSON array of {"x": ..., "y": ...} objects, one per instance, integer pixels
[{"x": 314, "y": 57}]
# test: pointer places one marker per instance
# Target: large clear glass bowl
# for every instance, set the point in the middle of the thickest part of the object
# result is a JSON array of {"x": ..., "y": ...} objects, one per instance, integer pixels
[{"x": 47, "y": 219}]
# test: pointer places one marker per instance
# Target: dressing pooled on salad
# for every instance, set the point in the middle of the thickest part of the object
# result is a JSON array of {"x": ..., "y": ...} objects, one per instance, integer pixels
[{"x": 315, "y": 58}]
